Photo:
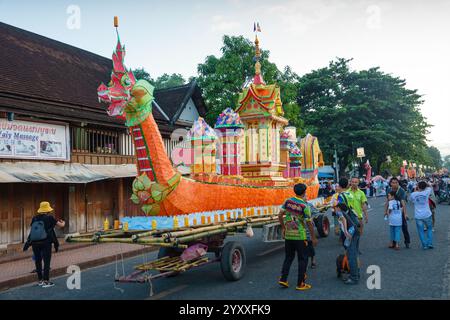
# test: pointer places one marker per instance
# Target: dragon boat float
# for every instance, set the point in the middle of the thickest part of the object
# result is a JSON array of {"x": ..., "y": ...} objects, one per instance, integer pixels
[{"x": 241, "y": 171}]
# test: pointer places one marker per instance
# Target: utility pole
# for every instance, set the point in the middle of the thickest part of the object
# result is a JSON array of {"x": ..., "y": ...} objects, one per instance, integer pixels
[{"x": 336, "y": 165}]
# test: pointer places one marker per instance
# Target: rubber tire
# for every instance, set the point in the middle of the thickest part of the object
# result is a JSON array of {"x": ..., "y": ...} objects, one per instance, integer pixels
[
  {"x": 171, "y": 252},
  {"x": 319, "y": 223},
  {"x": 226, "y": 261}
]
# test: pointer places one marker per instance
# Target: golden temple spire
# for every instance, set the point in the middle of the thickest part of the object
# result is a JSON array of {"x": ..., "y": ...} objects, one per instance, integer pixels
[{"x": 258, "y": 77}]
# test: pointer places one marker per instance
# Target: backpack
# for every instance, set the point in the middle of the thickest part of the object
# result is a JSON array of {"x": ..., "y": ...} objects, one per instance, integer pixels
[
  {"x": 38, "y": 232},
  {"x": 342, "y": 265},
  {"x": 350, "y": 216}
]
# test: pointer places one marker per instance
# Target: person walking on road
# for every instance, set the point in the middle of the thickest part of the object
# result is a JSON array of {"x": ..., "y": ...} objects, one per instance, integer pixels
[
  {"x": 433, "y": 206},
  {"x": 395, "y": 219},
  {"x": 423, "y": 214},
  {"x": 295, "y": 219},
  {"x": 400, "y": 195},
  {"x": 41, "y": 237},
  {"x": 359, "y": 204}
]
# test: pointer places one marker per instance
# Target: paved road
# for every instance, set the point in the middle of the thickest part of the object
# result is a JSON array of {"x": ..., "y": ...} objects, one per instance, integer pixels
[{"x": 405, "y": 274}]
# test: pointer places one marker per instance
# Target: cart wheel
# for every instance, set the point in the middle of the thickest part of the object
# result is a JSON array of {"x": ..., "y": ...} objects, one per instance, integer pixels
[
  {"x": 169, "y": 252},
  {"x": 233, "y": 261},
  {"x": 323, "y": 225}
]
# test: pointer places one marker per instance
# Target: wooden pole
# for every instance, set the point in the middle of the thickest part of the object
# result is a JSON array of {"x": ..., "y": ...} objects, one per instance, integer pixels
[{"x": 121, "y": 200}]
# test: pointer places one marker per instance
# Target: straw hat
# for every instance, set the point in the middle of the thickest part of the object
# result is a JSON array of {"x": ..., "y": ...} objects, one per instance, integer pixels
[{"x": 44, "y": 207}]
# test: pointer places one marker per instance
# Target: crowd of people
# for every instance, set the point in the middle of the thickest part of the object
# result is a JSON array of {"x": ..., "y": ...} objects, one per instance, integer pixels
[
  {"x": 379, "y": 186},
  {"x": 349, "y": 207}
]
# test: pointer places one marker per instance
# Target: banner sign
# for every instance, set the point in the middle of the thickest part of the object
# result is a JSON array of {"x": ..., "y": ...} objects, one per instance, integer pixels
[{"x": 33, "y": 140}]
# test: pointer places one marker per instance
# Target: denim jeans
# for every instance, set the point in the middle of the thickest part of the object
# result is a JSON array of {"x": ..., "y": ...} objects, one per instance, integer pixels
[
  {"x": 405, "y": 230},
  {"x": 421, "y": 223},
  {"x": 352, "y": 254},
  {"x": 395, "y": 233}
]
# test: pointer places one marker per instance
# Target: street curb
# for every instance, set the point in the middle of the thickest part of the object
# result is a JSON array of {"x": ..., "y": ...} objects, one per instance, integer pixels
[
  {"x": 4, "y": 259},
  {"x": 12, "y": 283}
]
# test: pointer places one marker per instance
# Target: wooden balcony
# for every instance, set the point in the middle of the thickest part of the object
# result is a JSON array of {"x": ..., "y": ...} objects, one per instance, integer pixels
[
  {"x": 98, "y": 158},
  {"x": 93, "y": 146}
]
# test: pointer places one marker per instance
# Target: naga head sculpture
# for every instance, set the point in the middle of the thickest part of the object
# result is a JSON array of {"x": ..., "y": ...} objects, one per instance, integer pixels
[{"x": 127, "y": 97}]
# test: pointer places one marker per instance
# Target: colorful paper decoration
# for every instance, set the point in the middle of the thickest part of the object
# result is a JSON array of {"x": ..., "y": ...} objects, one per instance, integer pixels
[{"x": 230, "y": 128}]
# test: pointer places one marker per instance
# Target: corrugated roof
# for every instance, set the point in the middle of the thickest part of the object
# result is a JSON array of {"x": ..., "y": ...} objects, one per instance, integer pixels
[
  {"x": 62, "y": 172},
  {"x": 42, "y": 76}
]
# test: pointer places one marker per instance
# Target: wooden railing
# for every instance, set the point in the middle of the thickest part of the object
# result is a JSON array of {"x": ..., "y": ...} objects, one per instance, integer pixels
[{"x": 94, "y": 146}]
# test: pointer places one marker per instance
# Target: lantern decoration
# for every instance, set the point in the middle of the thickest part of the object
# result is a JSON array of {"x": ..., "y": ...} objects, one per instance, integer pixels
[
  {"x": 295, "y": 160},
  {"x": 229, "y": 128},
  {"x": 202, "y": 138}
]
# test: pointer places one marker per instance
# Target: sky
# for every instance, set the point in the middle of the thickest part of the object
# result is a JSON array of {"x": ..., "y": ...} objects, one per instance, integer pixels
[{"x": 408, "y": 39}]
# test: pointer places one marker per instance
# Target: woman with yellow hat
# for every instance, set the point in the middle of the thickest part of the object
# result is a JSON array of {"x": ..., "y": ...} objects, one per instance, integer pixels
[{"x": 41, "y": 238}]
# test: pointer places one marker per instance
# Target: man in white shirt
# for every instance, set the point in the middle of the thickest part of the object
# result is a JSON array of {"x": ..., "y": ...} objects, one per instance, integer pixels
[{"x": 422, "y": 213}]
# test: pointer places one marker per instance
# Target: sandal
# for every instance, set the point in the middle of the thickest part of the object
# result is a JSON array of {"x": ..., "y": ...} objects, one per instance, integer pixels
[{"x": 303, "y": 287}]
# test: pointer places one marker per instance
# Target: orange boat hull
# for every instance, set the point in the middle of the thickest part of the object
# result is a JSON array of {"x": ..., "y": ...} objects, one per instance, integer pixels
[{"x": 193, "y": 196}]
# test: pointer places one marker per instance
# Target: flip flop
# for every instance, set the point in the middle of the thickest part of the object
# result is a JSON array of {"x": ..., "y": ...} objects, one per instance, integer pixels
[{"x": 303, "y": 287}]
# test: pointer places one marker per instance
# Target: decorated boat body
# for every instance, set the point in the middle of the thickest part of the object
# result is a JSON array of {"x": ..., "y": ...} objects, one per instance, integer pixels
[{"x": 248, "y": 160}]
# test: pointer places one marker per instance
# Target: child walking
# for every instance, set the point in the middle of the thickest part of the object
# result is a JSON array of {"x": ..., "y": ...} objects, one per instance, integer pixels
[{"x": 395, "y": 220}]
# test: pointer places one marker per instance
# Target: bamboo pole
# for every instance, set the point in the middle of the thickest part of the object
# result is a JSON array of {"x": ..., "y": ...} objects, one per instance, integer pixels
[
  {"x": 155, "y": 232},
  {"x": 102, "y": 236},
  {"x": 178, "y": 235},
  {"x": 90, "y": 234},
  {"x": 200, "y": 235},
  {"x": 162, "y": 244},
  {"x": 115, "y": 240},
  {"x": 203, "y": 229},
  {"x": 144, "y": 234},
  {"x": 79, "y": 240}
]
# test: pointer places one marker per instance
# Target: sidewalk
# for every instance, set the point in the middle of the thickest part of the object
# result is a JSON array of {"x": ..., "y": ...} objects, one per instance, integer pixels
[{"x": 17, "y": 270}]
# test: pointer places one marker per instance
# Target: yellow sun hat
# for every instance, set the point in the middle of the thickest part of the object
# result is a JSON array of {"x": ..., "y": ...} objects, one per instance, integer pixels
[{"x": 44, "y": 207}]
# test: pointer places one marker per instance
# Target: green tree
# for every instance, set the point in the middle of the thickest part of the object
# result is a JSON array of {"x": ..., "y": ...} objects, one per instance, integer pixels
[
  {"x": 435, "y": 157},
  {"x": 140, "y": 73},
  {"x": 163, "y": 81},
  {"x": 446, "y": 163},
  {"x": 347, "y": 109},
  {"x": 168, "y": 81},
  {"x": 222, "y": 78}
]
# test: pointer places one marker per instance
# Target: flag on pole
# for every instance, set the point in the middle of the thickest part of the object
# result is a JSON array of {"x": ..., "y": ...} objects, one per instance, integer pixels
[
  {"x": 258, "y": 28},
  {"x": 254, "y": 26}
]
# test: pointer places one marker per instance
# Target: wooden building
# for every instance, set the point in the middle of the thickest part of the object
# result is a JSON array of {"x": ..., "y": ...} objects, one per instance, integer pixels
[{"x": 58, "y": 144}]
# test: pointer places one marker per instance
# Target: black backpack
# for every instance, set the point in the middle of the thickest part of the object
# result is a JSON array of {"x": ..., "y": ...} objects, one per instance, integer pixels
[
  {"x": 350, "y": 215},
  {"x": 38, "y": 232}
]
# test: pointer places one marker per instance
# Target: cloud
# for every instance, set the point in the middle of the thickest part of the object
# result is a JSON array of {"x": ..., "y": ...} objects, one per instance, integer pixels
[
  {"x": 299, "y": 16},
  {"x": 444, "y": 148},
  {"x": 221, "y": 24},
  {"x": 373, "y": 21}
]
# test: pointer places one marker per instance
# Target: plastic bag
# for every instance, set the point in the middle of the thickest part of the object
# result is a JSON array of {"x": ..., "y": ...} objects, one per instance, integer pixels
[
  {"x": 193, "y": 252},
  {"x": 249, "y": 232}
]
